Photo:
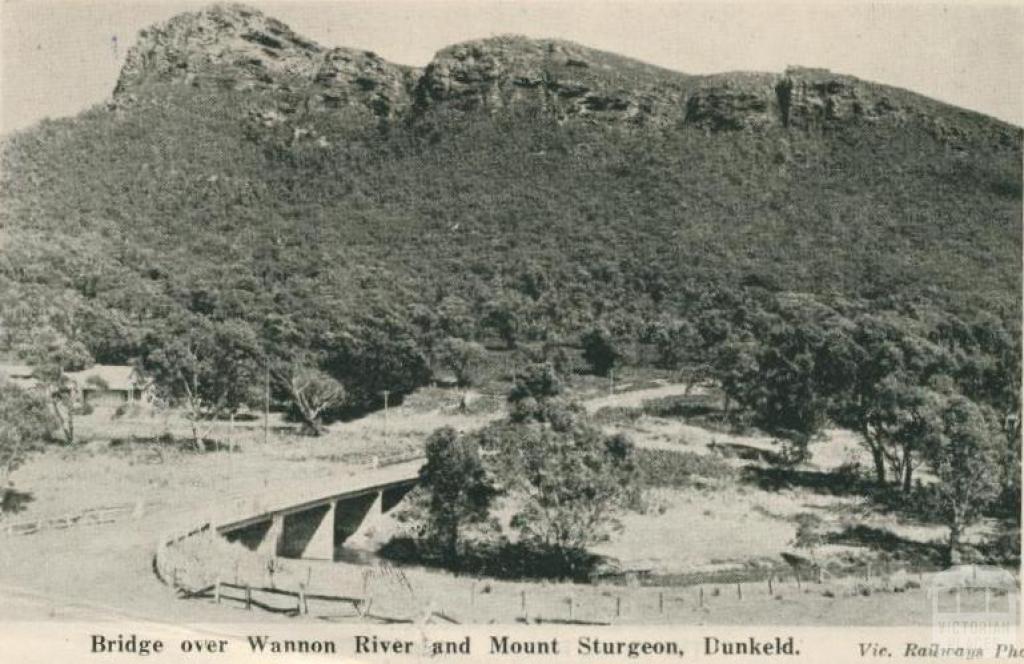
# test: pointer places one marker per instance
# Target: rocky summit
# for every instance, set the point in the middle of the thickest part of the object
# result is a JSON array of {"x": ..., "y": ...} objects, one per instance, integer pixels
[{"x": 237, "y": 47}]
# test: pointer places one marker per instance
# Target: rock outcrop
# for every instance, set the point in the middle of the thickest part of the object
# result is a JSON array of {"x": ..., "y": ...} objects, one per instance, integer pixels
[
  {"x": 558, "y": 77},
  {"x": 361, "y": 78},
  {"x": 732, "y": 102},
  {"x": 238, "y": 48},
  {"x": 816, "y": 97},
  {"x": 225, "y": 45}
]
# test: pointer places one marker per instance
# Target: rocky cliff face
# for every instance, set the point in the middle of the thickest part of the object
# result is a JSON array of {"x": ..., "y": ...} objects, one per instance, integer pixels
[
  {"x": 226, "y": 45},
  {"x": 359, "y": 78},
  {"x": 560, "y": 78},
  {"x": 236, "y": 47}
]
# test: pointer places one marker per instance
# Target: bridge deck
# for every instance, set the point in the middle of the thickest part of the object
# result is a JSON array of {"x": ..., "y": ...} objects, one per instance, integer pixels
[{"x": 319, "y": 493}]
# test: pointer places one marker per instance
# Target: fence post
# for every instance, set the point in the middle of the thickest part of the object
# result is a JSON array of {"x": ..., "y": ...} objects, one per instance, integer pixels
[
  {"x": 739, "y": 591},
  {"x": 216, "y": 591},
  {"x": 700, "y": 596},
  {"x": 522, "y": 602},
  {"x": 770, "y": 591},
  {"x": 661, "y": 602},
  {"x": 174, "y": 579},
  {"x": 303, "y": 608},
  {"x": 569, "y": 602},
  {"x": 472, "y": 593},
  {"x": 248, "y": 597},
  {"x": 618, "y": 606},
  {"x": 797, "y": 575}
]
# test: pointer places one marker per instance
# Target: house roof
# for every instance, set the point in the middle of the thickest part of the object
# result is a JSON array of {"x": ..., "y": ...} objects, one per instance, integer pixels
[
  {"x": 15, "y": 370},
  {"x": 114, "y": 376}
]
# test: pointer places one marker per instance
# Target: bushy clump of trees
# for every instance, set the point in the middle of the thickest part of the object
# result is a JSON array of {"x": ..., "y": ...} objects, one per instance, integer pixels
[
  {"x": 458, "y": 488},
  {"x": 26, "y": 423},
  {"x": 919, "y": 386},
  {"x": 564, "y": 479}
]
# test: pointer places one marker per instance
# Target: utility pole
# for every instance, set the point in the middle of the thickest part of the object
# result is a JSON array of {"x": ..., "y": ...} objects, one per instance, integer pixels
[
  {"x": 266, "y": 403},
  {"x": 386, "y": 394}
]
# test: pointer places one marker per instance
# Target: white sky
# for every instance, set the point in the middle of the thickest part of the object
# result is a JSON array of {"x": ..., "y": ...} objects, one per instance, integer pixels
[{"x": 60, "y": 57}]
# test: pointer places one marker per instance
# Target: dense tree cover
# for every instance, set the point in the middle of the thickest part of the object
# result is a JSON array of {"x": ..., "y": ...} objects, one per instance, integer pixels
[
  {"x": 600, "y": 350},
  {"x": 962, "y": 450},
  {"x": 860, "y": 274},
  {"x": 209, "y": 368},
  {"x": 459, "y": 491},
  {"x": 565, "y": 479},
  {"x": 51, "y": 332},
  {"x": 25, "y": 424},
  {"x": 177, "y": 205},
  {"x": 920, "y": 386}
]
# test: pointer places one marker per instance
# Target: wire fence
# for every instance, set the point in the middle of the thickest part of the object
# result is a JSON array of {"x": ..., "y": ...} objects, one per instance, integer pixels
[
  {"x": 93, "y": 516},
  {"x": 330, "y": 591}
]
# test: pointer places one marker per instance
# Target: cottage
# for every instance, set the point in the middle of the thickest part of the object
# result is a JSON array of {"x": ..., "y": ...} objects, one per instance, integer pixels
[
  {"x": 110, "y": 385},
  {"x": 18, "y": 374}
]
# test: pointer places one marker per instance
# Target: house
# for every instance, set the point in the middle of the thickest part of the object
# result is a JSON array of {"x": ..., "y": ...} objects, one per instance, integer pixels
[
  {"x": 18, "y": 374},
  {"x": 111, "y": 385}
]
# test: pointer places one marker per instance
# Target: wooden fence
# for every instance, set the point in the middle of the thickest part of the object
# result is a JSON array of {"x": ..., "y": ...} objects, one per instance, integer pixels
[
  {"x": 583, "y": 604},
  {"x": 94, "y": 516}
]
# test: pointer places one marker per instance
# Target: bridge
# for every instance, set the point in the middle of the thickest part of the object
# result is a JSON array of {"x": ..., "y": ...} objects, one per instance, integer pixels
[{"x": 317, "y": 522}]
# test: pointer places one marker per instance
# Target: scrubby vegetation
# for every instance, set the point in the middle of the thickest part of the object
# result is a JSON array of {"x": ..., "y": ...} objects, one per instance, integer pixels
[{"x": 862, "y": 272}]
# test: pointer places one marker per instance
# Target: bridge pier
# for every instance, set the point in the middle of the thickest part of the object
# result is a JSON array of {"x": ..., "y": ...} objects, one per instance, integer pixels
[
  {"x": 362, "y": 537},
  {"x": 322, "y": 528},
  {"x": 270, "y": 545},
  {"x": 310, "y": 533}
]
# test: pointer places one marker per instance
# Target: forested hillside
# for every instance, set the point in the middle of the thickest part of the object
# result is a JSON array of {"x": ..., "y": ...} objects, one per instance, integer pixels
[{"x": 333, "y": 210}]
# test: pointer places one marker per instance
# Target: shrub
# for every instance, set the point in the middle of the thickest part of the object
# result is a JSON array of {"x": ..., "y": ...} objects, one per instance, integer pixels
[{"x": 664, "y": 468}]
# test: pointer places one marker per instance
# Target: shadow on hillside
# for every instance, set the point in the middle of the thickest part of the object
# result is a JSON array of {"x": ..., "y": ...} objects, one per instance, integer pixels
[
  {"x": 13, "y": 501},
  {"x": 898, "y": 548},
  {"x": 167, "y": 441},
  {"x": 832, "y": 484},
  {"x": 746, "y": 452},
  {"x": 499, "y": 560}
]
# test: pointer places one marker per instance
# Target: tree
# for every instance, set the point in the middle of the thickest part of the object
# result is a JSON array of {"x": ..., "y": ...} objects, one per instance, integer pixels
[
  {"x": 964, "y": 455},
  {"x": 902, "y": 419},
  {"x": 465, "y": 359},
  {"x": 374, "y": 353},
  {"x": 311, "y": 391},
  {"x": 678, "y": 346},
  {"x": 25, "y": 423},
  {"x": 571, "y": 482},
  {"x": 505, "y": 315},
  {"x": 458, "y": 489},
  {"x": 600, "y": 350},
  {"x": 883, "y": 355},
  {"x": 988, "y": 369},
  {"x": 535, "y": 388},
  {"x": 212, "y": 369},
  {"x": 53, "y": 345}
]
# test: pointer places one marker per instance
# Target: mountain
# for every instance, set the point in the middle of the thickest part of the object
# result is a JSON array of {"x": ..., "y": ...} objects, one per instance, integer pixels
[{"x": 241, "y": 171}]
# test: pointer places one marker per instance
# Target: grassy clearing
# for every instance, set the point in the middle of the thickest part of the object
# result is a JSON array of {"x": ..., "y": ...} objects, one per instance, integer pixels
[{"x": 714, "y": 516}]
